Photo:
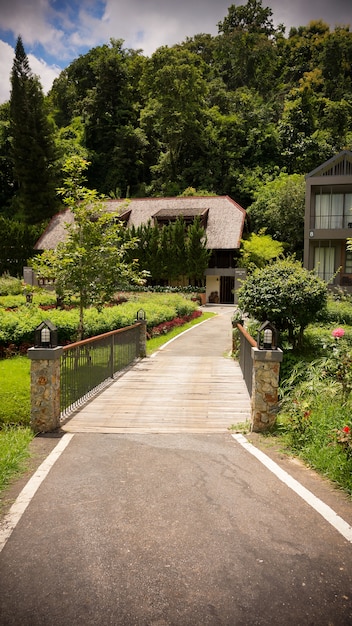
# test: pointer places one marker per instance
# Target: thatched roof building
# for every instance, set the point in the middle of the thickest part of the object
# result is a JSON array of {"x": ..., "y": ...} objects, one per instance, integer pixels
[{"x": 221, "y": 216}]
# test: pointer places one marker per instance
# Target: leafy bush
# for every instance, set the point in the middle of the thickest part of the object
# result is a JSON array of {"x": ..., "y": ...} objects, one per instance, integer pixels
[
  {"x": 316, "y": 402},
  {"x": 286, "y": 294},
  {"x": 17, "y": 326},
  {"x": 10, "y": 285},
  {"x": 336, "y": 312}
]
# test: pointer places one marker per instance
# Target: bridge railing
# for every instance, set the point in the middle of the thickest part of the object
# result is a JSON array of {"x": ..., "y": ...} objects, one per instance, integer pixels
[
  {"x": 246, "y": 343},
  {"x": 88, "y": 366}
]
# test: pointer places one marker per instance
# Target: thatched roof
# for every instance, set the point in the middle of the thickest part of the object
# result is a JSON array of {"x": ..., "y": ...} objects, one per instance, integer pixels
[{"x": 224, "y": 225}]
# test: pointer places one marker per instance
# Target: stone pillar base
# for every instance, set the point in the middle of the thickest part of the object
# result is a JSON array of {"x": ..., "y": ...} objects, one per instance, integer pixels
[
  {"x": 264, "y": 402},
  {"x": 45, "y": 388}
]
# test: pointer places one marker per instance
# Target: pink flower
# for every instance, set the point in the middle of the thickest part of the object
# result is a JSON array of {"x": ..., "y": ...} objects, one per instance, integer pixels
[
  {"x": 338, "y": 332},
  {"x": 346, "y": 429}
]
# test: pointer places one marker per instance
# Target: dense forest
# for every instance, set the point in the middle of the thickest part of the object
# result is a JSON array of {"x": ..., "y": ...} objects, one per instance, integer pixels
[{"x": 246, "y": 113}]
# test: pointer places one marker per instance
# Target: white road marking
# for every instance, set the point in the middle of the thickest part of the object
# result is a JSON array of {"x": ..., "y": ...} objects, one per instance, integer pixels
[
  {"x": 318, "y": 505},
  {"x": 18, "y": 508}
]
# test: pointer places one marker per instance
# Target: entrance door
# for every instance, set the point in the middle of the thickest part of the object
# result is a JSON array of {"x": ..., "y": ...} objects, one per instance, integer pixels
[{"x": 227, "y": 285}]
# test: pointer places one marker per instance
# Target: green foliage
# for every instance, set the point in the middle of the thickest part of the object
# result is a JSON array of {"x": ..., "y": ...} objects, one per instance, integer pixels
[
  {"x": 174, "y": 252},
  {"x": 258, "y": 250},
  {"x": 32, "y": 145},
  {"x": 284, "y": 293},
  {"x": 17, "y": 326},
  {"x": 92, "y": 262},
  {"x": 10, "y": 285},
  {"x": 279, "y": 208},
  {"x": 14, "y": 392},
  {"x": 313, "y": 414},
  {"x": 17, "y": 242},
  {"x": 14, "y": 451},
  {"x": 224, "y": 113}
]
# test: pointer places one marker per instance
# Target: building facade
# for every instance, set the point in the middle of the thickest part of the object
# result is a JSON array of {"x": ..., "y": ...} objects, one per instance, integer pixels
[{"x": 328, "y": 220}]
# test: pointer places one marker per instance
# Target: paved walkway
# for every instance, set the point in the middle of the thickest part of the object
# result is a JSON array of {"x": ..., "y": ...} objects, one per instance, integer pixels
[{"x": 192, "y": 385}]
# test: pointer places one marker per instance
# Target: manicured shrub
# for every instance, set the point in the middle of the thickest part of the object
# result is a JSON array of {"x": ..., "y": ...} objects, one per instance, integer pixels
[{"x": 286, "y": 294}]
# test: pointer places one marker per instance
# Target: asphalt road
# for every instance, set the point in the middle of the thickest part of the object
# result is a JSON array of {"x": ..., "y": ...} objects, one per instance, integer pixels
[{"x": 174, "y": 530}]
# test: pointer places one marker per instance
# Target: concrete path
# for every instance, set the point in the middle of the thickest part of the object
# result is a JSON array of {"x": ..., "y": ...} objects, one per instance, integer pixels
[
  {"x": 192, "y": 385},
  {"x": 186, "y": 529}
]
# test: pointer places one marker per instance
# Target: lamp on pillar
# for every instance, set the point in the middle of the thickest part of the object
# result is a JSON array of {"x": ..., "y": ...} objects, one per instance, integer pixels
[
  {"x": 45, "y": 335},
  {"x": 141, "y": 317},
  {"x": 267, "y": 337}
]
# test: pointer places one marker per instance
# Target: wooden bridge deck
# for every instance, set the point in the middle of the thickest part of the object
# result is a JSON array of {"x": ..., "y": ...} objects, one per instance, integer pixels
[{"x": 188, "y": 387}]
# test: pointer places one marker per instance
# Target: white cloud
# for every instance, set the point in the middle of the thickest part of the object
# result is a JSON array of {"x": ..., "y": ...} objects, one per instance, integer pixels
[
  {"x": 6, "y": 60},
  {"x": 47, "y": 73}
]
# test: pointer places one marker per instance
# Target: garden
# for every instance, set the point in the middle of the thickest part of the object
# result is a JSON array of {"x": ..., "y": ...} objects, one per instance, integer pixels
[{"x": 314, "y": 420}]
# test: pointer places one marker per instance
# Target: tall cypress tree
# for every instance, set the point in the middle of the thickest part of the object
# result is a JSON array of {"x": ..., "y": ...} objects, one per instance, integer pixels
[{"x": 33, "y": 148}]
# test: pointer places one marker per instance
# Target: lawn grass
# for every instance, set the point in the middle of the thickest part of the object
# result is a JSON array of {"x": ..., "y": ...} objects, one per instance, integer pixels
[
  {"x": 14, "y": 391},
  {"x": 14, "y": 450}
]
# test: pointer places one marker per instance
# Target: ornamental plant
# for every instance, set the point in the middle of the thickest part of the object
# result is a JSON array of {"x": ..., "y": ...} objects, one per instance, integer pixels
[
  {"x": 344, "y": 438},
  {"x": 341, "y": 363},
  {"x": 285, "y": 293}
]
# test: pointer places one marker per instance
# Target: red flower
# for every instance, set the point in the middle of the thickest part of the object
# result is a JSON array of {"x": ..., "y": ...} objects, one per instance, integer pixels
[
  {"x": 338, "y": 332},
  {"x": 346, "y": 429}
]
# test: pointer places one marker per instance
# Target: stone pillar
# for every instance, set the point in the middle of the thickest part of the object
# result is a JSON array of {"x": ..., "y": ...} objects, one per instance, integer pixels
[
  {"x": 45, "y": 388},
  {"x": 266, "y": 370},
  {"x": 143, "y": 339}
]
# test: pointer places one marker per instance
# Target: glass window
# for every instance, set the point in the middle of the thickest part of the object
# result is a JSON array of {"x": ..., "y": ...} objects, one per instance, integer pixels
[
  {"x": 348, "y": 210},
  {"x": 348, "y": 264},
  {"x": 333, "y": 210},
  {"x": 324, "y": 262}
]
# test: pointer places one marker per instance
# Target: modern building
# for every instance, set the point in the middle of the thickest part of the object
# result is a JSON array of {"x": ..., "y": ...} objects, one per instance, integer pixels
[
  {"x": 328, "y": 220},
  {"x": 223, "y": 219}
]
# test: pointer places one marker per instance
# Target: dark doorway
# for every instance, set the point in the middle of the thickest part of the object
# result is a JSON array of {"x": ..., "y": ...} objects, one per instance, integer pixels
[{"x": 227, "y": 285}]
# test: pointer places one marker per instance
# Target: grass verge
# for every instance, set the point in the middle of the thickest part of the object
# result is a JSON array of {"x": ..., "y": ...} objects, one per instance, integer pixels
[{"x": 14, "y": 450}]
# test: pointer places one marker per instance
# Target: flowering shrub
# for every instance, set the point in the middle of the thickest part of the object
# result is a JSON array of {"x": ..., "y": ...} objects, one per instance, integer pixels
[
  {"x": 300, "y": 423},
  {"x": 342, "y": 363},
  {"x": 344, "y": 438},
  {"x": 165, "y": 327},
  {"x": 338, "y": 332}
]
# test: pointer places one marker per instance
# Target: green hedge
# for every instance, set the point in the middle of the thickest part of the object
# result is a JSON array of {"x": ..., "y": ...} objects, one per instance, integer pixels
[{"x": 17, "y": 326}]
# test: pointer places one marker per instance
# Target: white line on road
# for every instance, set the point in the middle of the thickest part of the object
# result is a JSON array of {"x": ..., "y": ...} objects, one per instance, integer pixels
[
  {"x": 327, "y": 512},
  {"x": 18, "y": 508}
]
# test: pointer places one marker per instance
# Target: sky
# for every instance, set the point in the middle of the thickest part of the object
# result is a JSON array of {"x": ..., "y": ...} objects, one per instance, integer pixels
[{"x": 54, "y": 32}]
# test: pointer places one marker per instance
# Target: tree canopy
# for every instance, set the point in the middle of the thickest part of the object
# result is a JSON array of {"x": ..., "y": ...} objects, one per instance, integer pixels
[
  {"x": 32, "y": 153},
  {"x": 284, "y": 293},
  {"x": 228, "y": 114}
]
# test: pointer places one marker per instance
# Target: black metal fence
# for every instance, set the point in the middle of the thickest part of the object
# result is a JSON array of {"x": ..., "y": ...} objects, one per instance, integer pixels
[
  {"x": 245, "y": 357},
  {"x": 88, "y": 366}
]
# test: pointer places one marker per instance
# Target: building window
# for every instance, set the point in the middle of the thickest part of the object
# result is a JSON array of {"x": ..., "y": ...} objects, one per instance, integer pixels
[
  {"x": 348, "y": 263},
  {"x": 324, "y": 263},
  {"x": 333, "y": 210}
]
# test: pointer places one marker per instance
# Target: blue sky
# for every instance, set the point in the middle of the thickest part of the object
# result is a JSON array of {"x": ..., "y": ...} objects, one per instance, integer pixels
[{"x": 54, "y": 32}]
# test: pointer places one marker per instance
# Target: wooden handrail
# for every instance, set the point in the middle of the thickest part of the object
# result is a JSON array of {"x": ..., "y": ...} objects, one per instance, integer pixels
[{"x": 249, "y": 338}]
